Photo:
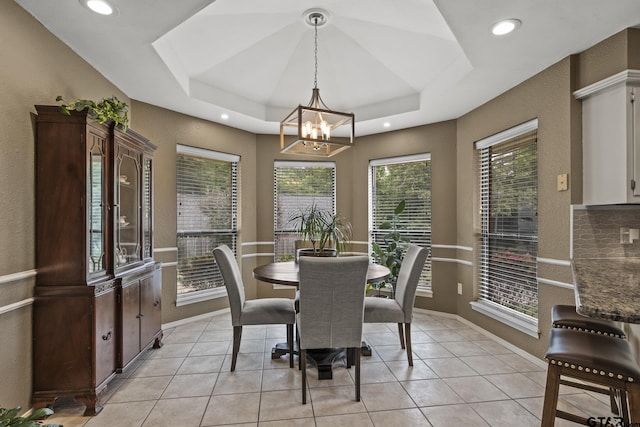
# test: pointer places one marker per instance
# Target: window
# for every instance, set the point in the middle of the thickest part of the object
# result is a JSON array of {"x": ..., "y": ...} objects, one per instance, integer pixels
[
  {"x": 508, "y": 166},
  {"x": 207, "y": 217},
  {"x": 297, "y": 186},
  {"x": 405, "y": 178}
]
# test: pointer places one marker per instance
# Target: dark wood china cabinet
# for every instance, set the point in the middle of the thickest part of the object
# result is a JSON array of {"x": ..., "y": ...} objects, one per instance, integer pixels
[{"x": 97, "y": 297}]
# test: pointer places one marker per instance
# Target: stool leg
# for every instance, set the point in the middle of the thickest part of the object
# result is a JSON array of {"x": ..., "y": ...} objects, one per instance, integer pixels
[
  {"x": 551, "y": 396},
  {"x": 633, "y": 394},
  {"x": 613, "y": 394},
  {"x": 623, "y": 407}
]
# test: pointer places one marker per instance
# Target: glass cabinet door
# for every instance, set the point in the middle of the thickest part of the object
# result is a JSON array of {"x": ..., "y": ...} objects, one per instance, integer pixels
[
  {"x": 97, "y": 207},
  {"x": 127, "y": 207},
  {"x": 147, "y": 209}
]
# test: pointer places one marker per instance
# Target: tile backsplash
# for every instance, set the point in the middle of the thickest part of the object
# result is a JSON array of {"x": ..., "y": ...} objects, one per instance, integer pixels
[{"x": 596, "y": 231}]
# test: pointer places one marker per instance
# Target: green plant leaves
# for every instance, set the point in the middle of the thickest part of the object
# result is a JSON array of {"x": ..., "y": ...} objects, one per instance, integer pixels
[
  {"x": 321, "y": 228},
  {"x": 103, "y": 111},
  {"x": 394, "y": 245},
  {"x": 9, "y": 418}
]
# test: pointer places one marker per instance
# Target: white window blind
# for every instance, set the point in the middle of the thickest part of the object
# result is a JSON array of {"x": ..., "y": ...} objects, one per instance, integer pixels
[
  {"x": 509, "y": 222},
  {"x": 405, "y": 178},
  {"x": 206, "y": 215},
  {"x": 296, "y": 187}
]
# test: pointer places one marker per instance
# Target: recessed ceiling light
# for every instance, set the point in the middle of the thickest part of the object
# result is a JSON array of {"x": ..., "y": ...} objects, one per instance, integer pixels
[
  {"x": 386, "y": 124},
  {"x": 224, "y": 116},
  {"x": 99, "y": 6},
  {"x": 505, "y": 26}
]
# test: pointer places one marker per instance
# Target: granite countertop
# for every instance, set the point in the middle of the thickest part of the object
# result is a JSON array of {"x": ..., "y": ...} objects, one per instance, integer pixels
[{"x": 608, "y": 288}]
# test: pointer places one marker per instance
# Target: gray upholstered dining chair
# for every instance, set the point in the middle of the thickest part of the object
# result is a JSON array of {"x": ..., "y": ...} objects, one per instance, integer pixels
[
  {"x": 266, "y": 311},
  {"x": 400, "y": 309},
  {"x": 331, "y": 308}
]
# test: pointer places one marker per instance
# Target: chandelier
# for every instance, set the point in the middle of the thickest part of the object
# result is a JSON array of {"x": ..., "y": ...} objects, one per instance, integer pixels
[{"x": 319, "y": 131}]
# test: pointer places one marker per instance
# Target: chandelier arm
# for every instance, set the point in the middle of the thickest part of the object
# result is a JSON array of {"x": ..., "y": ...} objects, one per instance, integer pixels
[
  {"x": 321, "y": 101},
  {"x": 312, "y": 100}
]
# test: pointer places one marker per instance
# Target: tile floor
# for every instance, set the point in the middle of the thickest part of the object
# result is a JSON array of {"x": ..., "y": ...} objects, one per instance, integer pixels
[{"x": 460, "y": 377}]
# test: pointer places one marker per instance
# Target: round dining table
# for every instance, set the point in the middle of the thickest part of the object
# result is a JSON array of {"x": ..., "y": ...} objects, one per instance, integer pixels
[{"x": 287, "y": 273}]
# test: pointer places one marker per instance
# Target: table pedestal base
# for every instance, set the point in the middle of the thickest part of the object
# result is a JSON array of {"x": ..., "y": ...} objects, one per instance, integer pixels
[
  {"x": 281, "y": 349},
  {"x": 323, "y": 359},
  {"x": 365, "y": 350}
]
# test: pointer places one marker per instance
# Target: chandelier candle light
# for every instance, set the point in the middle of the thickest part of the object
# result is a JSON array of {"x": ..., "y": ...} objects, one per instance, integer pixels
[{"x": 319, "y": 130}]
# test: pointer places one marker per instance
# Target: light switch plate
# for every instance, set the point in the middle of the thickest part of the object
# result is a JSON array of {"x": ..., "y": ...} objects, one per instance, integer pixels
[{"x": 562, "y": 182}]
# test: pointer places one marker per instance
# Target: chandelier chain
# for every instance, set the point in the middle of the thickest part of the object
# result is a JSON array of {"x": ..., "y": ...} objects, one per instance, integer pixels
[{"x": 315, "y": 76}]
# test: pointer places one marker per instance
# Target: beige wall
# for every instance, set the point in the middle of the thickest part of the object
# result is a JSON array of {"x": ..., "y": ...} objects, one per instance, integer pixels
[
  {"x": 166, "y": 129},
  {"x": 612, "y": 55},
  {"x": 36, "y": 67},
  {"x": 547, "y": 97}
]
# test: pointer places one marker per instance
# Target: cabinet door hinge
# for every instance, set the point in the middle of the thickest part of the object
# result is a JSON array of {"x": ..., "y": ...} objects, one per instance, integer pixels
[
  {"x": 633, "y": 184},
  {"x": 633, "y": 96}
]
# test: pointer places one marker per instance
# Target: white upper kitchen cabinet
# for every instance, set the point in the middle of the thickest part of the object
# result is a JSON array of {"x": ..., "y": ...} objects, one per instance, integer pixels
[{"x": 611, "y": 139}]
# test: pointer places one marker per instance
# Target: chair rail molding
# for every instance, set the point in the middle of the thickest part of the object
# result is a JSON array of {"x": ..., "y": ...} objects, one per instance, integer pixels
[
  {"x": 458, "y": 261},
  {"x": 256, "y": 243},
  {"x": 554, "y": 261},
  {"x": 457, "y": 247},
  {"x": 169, "y": 249},
  {"x": 14, "y": 277},
  {"x": 555, "y": 283},
  {"x": 16, "y": 305}
]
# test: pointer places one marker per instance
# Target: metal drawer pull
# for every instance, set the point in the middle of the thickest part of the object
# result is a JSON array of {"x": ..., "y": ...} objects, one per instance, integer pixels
[{"x": 107, "y": 337}]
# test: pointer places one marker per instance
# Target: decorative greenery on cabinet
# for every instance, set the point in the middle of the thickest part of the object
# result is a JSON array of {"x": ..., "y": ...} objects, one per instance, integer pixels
[{"x": 103, "y": 111}]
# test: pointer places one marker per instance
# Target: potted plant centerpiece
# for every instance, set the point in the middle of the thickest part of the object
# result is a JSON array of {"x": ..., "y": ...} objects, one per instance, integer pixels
[{"x": 327, "y": 233}]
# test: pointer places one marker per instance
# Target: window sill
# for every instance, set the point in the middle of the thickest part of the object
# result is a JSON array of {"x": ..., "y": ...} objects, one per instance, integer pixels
[
  {"x": 276, "y": 286},
  {"x": 505, "y": 316},
  {"x": 425, "y": 293},
  {"x": 200, "y": 296}
]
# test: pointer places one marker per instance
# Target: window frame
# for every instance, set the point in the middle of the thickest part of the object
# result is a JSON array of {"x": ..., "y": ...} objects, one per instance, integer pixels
[
  {"x": 513, "y": 318},
  {"x": 234, "y": 160},
  {"x": 424, "y": 288}
]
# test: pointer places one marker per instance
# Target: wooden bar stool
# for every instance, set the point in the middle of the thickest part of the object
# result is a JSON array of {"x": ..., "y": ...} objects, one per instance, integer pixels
[
  {"x": 565, "y": 316},
  {"x": 595, "y": 358}
]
